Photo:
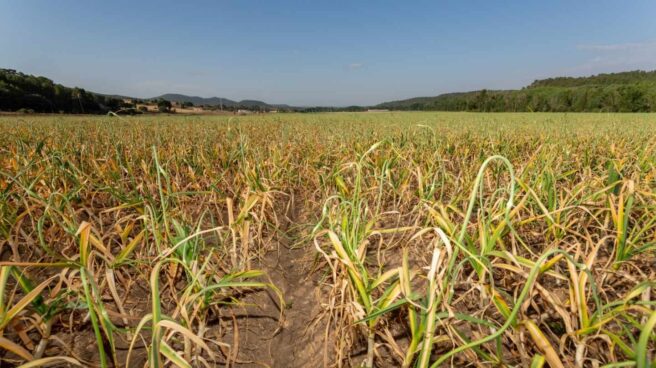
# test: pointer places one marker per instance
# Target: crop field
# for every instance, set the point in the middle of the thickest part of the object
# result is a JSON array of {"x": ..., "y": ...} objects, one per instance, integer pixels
[{"x": 339, "y": 240}]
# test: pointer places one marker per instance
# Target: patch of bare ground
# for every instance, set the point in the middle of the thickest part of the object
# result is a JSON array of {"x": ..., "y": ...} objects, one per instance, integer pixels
[{"x": 294, "y": 338}]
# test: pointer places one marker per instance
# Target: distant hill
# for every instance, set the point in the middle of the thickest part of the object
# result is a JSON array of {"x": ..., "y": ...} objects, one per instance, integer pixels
[
  {"x": 196, "y": 100},
  {"x": 253, "y": 103},
  {"x": 633, "y": 91},
  {"x": 216, "y": 101},
  {"x": 625, "y": 78},
  {"x": 19, "y": 91}
]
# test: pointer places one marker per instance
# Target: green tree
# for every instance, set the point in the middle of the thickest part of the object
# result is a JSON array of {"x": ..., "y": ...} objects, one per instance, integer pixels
[{"x": 163, "y": 105}]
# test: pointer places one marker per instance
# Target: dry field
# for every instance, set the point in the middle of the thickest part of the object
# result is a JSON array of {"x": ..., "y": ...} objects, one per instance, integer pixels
[{"x": 377, "y": 240}]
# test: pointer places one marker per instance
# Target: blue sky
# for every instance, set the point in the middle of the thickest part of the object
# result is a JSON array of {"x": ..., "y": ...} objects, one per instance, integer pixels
[{"x": 321, "y": 53}]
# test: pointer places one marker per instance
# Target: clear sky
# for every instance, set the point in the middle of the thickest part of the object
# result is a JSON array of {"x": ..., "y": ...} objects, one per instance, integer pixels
[{"x": 321, "y": 53}]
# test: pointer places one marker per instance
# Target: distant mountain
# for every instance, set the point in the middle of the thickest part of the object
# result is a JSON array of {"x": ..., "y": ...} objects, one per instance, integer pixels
[
  {"x": 253, "y": 103},
  {"x": 19, "y": 91},
  {"x": 633, "y": 91},
  {"x": 215, "y": 101},
  {"x": 196, "y": 100}
]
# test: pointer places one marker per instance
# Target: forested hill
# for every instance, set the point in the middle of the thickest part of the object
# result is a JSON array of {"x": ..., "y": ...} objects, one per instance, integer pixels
[
  {"x": 20, "y": 91},
  {"x": 633, "y": 91},
  {"x": 634, "y": 77},
  {"x": 29, "y": 93}
]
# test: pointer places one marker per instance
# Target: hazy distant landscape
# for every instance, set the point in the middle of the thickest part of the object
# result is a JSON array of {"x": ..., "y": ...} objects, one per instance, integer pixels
[{"x": 633, "y": 91}]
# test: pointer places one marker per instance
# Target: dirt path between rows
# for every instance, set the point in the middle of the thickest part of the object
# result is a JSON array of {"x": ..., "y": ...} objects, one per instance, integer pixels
[{"x": 298, "y": 340}]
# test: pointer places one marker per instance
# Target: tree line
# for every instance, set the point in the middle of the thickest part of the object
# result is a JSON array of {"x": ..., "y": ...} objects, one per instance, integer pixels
[
  {"x": 19, "y": 91},
  {"x": 29, "y": 93},
  {"x": 633, "y": 91},
  {"x": 618, "y": 92}
]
